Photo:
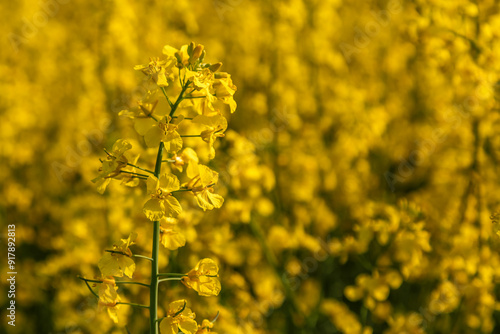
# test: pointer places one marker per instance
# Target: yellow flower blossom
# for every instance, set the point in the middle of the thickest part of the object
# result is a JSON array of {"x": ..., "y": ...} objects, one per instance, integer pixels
[
  {"x": 202, "y": 184},
  {"x": 119, "y": 264},
  {"x": 215, "y": 125},
  {"x": 445, "y": 298},
  {"x": 187, "y": 157},
  {"x": 205, "y": 327},
  {"x": 179, "y": 318},
  {"x": 170, "y": 237},
  {"x": 374, "y": 288},
  {"x": 410, "y": 323},
  {"x": 224, "y": 89},
  {"x": 116, "y": 161},
  {"x": 159, "y": 70},
  {"x": 204, "y": 278},
  {"x": 165, "y": 130},
  {"x": 162, "y": 202},
  {"x": 108, "y": 298}
]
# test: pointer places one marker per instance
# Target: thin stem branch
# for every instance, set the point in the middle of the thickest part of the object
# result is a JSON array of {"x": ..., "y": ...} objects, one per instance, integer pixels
[
  {"x": 142, "y": 257},
  {"x": 191, "y": 189},
  {"x": 168, "y": 100},
  {"x": 170, "y": 279},
  {"x": 179, "y": 99},
  {"x": 194, "y": 97},
  {"x": 88, "y": 286},
  {"x": 153, "y": 288},
  {"x": 189, "y": 118},
  {"x": 116, "y": 282},
  {"x": 144, "y": 169},
  {"x": 190, "y": 135},
  {"x": 135, "y": 174},
  {"x": 133, "y": 283},
  {"x": 172, "y": 274},
  {"x": 133, "y": 304}
]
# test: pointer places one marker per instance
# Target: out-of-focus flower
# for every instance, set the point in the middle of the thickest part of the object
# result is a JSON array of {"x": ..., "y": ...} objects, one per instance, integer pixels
[
  {"x": 119, "y": 262},
  {"x": 108, "y": 298}
]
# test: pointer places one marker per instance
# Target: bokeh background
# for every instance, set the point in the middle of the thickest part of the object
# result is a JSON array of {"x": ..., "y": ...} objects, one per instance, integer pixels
[{"x": 360, "y": 171}]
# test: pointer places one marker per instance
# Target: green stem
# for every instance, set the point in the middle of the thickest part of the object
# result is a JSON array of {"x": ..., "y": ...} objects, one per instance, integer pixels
[
  {"x": 190, "y": 135},
  {"x": 146, "y": 170},
  {"x": 88, "y": 286},
  {"x": 179, "y": 99},
  {"x": 172, "y": 274},
  {"x": 116, "y": 282},
  {"x": 132, "y": 304},
  {"x": 135, "y": 174},
  {"x": 170, "y": 279},
  {"x": 168, "y": 100},
  {"x": 181, "y": 190},
  {"x": 194, "y": 97},
  {"x": 169, "y": 160},
  {"x": 136, "y": 283},
  {"x": 142, "y": 257},
  {"x": 153, "y": 287},
  {"x": 190, "y": 118}
]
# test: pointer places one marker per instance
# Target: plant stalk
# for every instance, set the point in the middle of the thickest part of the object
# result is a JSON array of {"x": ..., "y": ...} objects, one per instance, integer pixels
[{"x": 153, "y": 287}]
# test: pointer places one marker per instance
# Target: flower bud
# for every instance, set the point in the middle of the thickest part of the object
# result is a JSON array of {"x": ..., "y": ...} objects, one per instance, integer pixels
[
  {"x": 203, "y": 53},
  {"x": 178, "y": 56},
  {"x": 197, "y": 52},
  {"x": 220, "y": 75},
  {"x": 190, "y": 48},
  {"x": 215, "y": 67}
]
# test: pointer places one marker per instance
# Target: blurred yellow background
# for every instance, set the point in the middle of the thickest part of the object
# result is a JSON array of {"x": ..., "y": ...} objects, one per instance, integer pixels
[{"x": 360, "y": 170}]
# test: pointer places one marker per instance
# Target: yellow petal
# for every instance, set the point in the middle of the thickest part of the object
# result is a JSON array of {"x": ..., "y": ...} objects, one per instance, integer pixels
[
  {"x": 188, "y": 326},
  {"x": 169, "y": 182},
  {"x": 162, "y": 80},
  {"x": 353, "y": 293},
  {"x": 108, "y": 266},
  {"x": 154, "y": 209},
  {"x": 152, "y": 184},
  {"x": 169, "y": 51},
  {"x": 154, "y": 136},
  {"x": 120, "y": 146},
  {"x": 101, "y": 184},
  {"x": 172, "y": 206},
  {"x": 207, "y": 175},
  {"x": 208, "y": 200},
  {"x": 173, "y": 142},
  {"x": 381, "y": 292},
  {"x": 142, "y": 125},
  {"x": 192, "y": 170},
  {"x": 168, "y": 326},
  {"x": 176, "y": 306},
  {"x": 172, "y": 240}
]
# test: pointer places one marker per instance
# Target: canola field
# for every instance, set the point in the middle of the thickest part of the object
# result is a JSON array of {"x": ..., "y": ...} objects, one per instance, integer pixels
[{"x": 250, "y": 167}]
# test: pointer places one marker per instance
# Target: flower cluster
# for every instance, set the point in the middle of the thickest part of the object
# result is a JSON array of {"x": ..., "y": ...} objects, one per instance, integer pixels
[{"x": 199, "y": 92}]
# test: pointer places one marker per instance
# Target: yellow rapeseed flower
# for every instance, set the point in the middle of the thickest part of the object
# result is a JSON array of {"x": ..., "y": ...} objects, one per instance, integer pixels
[
  {"x": 162, "y": 203},
  {"x": 119, "y": 262},
  {"x": 179, "y": 318},
  {"x": 204, "y": 278}
]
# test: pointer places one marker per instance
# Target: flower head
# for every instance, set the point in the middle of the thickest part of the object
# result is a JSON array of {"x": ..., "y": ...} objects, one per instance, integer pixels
[
  {"x": 179, "y": 318},
  {"x": 119, "y": 261},
  {"x": 162, "y": 202},
  {"x": 116, "y": 161},
  {"x": 108, "y": 298},
  {"x": 202, "y": 181},
  {"x": 215, "y": 125},
  {"x": 204, "y": 278}
]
